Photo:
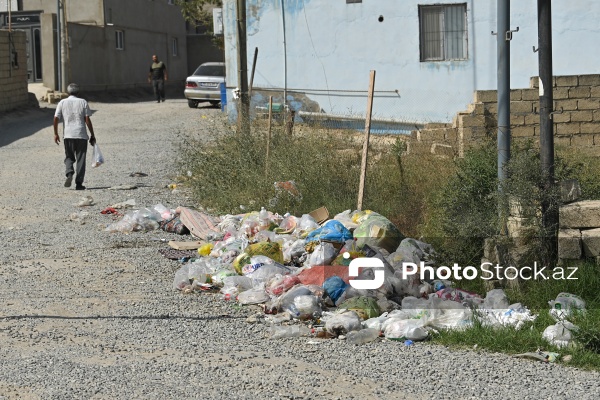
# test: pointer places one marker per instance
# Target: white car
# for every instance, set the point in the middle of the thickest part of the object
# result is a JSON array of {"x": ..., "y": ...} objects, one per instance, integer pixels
[{"x": 205, "y": 84}]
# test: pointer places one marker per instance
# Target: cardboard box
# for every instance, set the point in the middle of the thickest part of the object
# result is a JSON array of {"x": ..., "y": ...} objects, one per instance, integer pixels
[{"x": 320, "y": 214}]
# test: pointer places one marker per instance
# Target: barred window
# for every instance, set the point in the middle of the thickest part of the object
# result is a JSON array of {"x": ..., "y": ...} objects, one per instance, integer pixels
[
  {"x": 443, "y": 32},
  {"x": 119, "y": 41}
]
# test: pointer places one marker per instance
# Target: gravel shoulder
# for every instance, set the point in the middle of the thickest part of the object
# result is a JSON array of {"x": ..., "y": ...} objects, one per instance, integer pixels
[{"x": 89, "y": 314}]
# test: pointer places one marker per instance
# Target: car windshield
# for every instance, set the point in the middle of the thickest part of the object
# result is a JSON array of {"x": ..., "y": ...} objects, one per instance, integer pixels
[{"x": 210, "y": 70}]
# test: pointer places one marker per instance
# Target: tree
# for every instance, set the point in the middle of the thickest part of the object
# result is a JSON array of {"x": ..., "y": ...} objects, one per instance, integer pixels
[{"x": 198, "y": 12}]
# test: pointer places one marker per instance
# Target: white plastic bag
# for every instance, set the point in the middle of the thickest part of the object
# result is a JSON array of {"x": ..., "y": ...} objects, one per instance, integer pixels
[{"x": 97, "y": 157}]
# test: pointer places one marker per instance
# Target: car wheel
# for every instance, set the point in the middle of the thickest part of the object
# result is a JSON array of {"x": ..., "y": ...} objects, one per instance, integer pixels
[
  {"x": 192, "y": 103},
  {"x": 214, "y": 103}
]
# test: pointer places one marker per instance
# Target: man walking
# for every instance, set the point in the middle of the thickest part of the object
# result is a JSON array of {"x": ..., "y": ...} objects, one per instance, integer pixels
[
  {"x": 75, "y": 114},
  {"x": 158, "y": 76}
]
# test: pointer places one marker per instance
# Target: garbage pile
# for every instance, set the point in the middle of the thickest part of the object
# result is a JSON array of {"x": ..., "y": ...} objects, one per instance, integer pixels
[{"x": 297, "y": 270}]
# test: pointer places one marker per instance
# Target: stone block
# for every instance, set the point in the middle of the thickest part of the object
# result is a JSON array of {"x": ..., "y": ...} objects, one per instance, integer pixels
[
  {"x": 566, "y": 105},
  {"x": 569, "y": 80},
  {"x": 516, "y": 95},
  {"x": 569, "y": 244},
  {"x": 519, "y": 107},
  {"x": 472, "y": 121},
  {"x": 588, "y": 104},
  {"x": 588, "y": 80},
  {"x": 589, "y": 127},
  {"x": 486, "y": 96},
  {"x": 530, "y": 95},
  {"x": 579, "y": 92},
  {"x": 581, "y": 116},
  {"x": 591, "y": 242},
  {"x": 560, "y": 93},
  {"x": 567, "y": 129},
  {"x": 583, "y": 140},
  {"x": 517, "y": 120},
  {"x": 582, "y": 214},
  {"x": 522, "y": 131},
  {"x": 562, "y": 117},
  {"x": 595, "y": 91}
]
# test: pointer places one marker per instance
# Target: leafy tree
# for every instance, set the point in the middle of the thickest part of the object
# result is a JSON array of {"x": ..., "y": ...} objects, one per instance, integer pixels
[{"x": 198, "y": 12}]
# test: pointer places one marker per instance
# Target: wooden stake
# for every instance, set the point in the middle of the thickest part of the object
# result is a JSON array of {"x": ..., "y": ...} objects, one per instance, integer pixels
[
  {"x": 365, "y": 152},
  {"x": 269, "y": 135}
]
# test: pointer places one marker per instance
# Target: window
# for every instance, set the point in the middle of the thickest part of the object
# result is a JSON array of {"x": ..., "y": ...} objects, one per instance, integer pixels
[
  {"x": 109, "y": 20},
  {"x": 119, "y": 41},
  {"x": 174, "y": 47},
  {"x": 171, "y": 2},
  {"x": 443, "y": 32},
  {"x": 353, "y": 1}
]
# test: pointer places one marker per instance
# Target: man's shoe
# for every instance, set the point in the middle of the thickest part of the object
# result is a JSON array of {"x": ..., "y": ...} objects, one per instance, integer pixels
[
  {"x": 68, "y": 181},
  {"x": 79, "y": 187}
]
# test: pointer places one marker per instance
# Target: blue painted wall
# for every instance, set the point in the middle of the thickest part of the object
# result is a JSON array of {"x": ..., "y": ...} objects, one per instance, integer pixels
[{"x": 332, "y": 46}]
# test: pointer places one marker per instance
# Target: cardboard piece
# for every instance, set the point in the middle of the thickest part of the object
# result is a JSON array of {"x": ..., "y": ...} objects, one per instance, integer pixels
[
  {"x": 186, "y": 245},
  {"x": 199, "y": 224},
  {"x": 320, "y": 214}
]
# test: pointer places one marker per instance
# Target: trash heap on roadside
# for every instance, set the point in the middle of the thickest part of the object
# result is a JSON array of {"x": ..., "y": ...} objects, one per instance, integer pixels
[{"x": 297, "y": 270}]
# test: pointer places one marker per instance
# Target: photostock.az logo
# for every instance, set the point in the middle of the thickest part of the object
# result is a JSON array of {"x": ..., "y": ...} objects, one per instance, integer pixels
[{"x": 365, "y": 262}]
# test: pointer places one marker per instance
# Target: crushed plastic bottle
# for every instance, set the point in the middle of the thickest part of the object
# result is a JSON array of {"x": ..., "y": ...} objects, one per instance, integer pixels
[
  {"x": 279, "y": 332},
  {"x": 362, "y": 336}
]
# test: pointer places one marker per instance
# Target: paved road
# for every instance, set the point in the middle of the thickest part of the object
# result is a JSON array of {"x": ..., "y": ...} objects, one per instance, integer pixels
[{"x": 90, "y": 314}]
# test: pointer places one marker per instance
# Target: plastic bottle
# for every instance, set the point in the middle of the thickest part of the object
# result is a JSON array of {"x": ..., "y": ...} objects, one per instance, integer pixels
[
  {"x": 278, "y": 332},
  {"x": 263, "y": 219},
  {"x": 362, "y": 336}
]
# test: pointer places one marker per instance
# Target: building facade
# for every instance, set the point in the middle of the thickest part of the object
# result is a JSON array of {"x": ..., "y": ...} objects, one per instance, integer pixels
[
  {"x": 108, "y": 43},
  {"x": 429, "y": 56}
]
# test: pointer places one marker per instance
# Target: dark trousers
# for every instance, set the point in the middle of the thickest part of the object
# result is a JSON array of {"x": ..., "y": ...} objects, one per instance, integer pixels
[
  {"x": 159, "y": 88},
  {"x": 75, "y": 152}
]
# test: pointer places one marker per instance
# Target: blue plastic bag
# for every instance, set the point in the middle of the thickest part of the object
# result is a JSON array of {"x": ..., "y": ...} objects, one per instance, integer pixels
[
  {"x": 334, "y": 287},
  {"x": 331, "y": 231}
]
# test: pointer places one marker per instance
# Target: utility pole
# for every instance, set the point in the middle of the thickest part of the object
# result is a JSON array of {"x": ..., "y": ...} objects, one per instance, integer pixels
[
  {"x": 549, "y": 205},
  {"x": 503, "y": 50},
  {"x": 58, "y": 48},
  {"x": 242, "y": 60},
  {"x": 63, "y": 47}
]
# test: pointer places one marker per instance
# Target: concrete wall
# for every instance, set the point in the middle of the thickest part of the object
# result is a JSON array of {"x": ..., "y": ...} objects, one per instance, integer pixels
[
  {"x": 332, "y": 46},
  {"x": 576, "y": 121},
  {"x": 200, "y": 49},
  {"x": 13, "y": 79},
  {"x": 148, "y": 26}
]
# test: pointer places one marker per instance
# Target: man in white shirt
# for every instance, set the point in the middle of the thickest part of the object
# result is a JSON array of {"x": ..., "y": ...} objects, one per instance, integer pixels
[{"x": 75, "y": 114}]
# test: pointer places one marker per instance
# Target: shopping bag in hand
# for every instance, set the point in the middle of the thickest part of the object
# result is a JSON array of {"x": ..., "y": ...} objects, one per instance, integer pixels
[{"x": 98, "y": 158}]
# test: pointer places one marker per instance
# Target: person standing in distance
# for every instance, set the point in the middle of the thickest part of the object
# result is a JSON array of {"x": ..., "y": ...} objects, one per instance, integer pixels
[
  {"x": 158, "y": 76},
  {"x": 75, "y": 114}
]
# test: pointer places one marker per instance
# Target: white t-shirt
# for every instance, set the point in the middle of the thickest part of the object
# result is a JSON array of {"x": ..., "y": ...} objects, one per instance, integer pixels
[{"x": 72, "y": 111}]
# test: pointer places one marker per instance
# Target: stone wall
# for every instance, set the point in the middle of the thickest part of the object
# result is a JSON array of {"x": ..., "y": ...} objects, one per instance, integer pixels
[
  {"x": 13, "y": 76},
  {"x": 576, "y": 118}
]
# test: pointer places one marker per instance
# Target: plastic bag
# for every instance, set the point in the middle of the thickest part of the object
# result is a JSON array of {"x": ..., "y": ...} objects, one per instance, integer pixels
[
  {"x": 376, "y": 230},
  {"x": 402, "y": 329},
  {"x": 365, "y": 307},
  {"x": 559, "y": 334},
  {"x": 97, "y": 157},
  {"x": 323, "y": 254},
  {"x": 331, "y": 231},
  {"x": 565, "y": 304},
  {"x": 342, "y": 323}
]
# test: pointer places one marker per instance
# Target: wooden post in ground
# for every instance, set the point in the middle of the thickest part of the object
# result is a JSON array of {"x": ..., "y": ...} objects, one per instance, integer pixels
[
  {"x": 365, "y": 152},
  {"x": 269, "y": 135},
  {"x": 289, "y": 125}
]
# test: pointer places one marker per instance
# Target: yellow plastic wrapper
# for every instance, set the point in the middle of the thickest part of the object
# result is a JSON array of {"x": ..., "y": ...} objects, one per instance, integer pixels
[
  {"x": 205, "y": 249},
  {"x": 269, "y": 249}
]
